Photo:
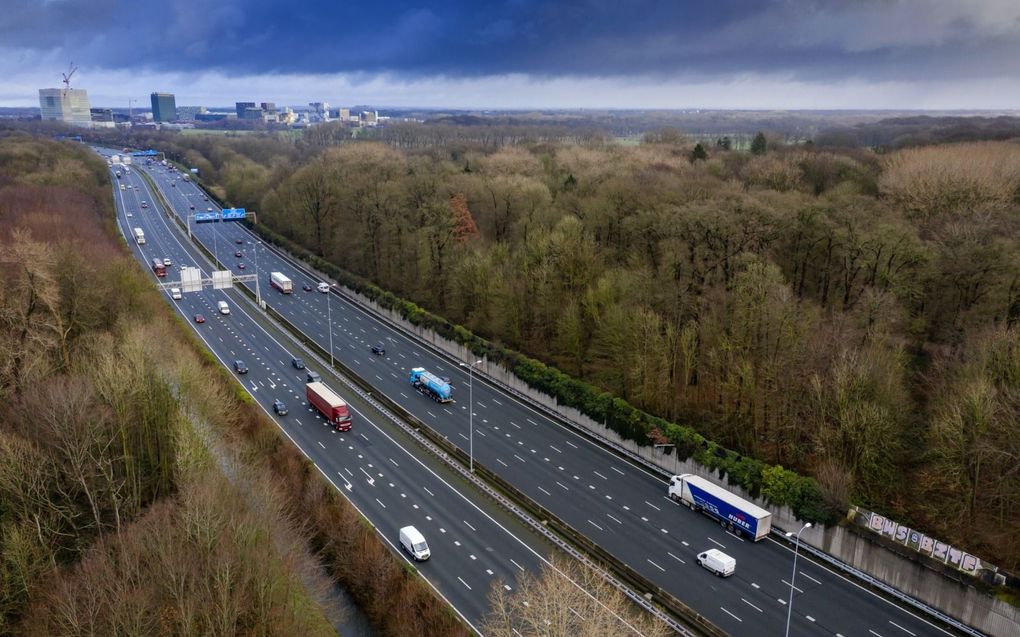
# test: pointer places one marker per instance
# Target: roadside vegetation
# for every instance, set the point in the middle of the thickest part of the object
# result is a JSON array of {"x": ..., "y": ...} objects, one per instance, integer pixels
[
  {"x": 140, "y": 493},
  {"x": 849, "y": 316}
]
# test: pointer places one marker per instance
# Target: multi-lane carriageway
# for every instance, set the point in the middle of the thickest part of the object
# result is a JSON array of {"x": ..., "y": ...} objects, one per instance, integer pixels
[{"x": 614, "y": 503}]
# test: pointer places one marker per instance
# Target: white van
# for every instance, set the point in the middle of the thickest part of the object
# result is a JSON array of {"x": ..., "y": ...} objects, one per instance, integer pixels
[
  {"x": 414, "y": 543},
  {"x": 324, "y": 287},
  {"x": 175, "y": 294},
  {"x": 718, "y": 562},
  {"x": 223, "y": 307}
]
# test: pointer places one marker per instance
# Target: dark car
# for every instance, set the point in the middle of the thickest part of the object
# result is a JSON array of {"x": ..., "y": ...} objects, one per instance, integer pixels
[
  {"x": 192, "y": 207},
  {"x": 238, "y": 241},
  {"x": 379, "y": 349},
  {"x": 240, "y": 367},
  {"x": 205, "y": 198},
  {"x": 173, "y": 185},
  {"x": 313, "y": 377},
  {"x": 297, "y": 363},
  {"x": 279, "y": 407},
  {"x": 240, "y": 266},
  {"x": 307, "y": 288},
  {"x": 238, "y": 254},
  {"x": 199, "y": 318}
]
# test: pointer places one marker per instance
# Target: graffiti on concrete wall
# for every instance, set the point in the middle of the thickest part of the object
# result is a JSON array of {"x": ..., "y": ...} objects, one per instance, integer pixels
[{"x": 923, "y": 544}]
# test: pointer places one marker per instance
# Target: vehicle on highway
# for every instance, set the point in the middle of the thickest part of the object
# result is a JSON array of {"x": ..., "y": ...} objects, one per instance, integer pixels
[
  {"x": 205, "y": 198},
  {"x": 175, "y": 294},
  {"x": 412, "y": 541},
  {"x": 240, "y": 367},
  {"x": 279, "y": 407},
  {"x": 313, "y": 377},
  {"x": 199, "y": 318},
  {"x": 238, "y": 254},
  {"x": 281, "y": 282},
  {"x": 323, "y": 287},
  {"x": 145, "y": 204},
  {"x": 173, "y": 185},
  {"x": 158, "y": 268},
  {"x": 733, "y": 512},
  {"x": 297, "y": 363},
  {"x": 223, "y": 307},
  {"x": 208, "y": 209},
  {"x": 239, "y": 241},
  {"x": 379, "y": 349},
  {"x": 167, "y": 262},
  {"x": 184, "y": 267},
  {"x": 139, "y": 236},
  {"x": 192, "y": 207},
  {"x": 717, "y": 562},
  {"x": 329, "y": 405},
  {"x": 241, "y": 266},
  {"x": 122, "y": 187},
  {"x": 306, "y": 287},
  {"x": 428, "y": 384}
]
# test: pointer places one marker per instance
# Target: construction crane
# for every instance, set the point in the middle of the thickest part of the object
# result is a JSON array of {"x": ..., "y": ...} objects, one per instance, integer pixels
[{"x": 67, "y": 76}]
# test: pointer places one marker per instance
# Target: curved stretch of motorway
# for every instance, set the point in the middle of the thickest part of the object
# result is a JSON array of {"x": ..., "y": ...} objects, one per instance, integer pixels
[
  {"x": 614, "y": 503},
  {"x": 385, "y": 476}
]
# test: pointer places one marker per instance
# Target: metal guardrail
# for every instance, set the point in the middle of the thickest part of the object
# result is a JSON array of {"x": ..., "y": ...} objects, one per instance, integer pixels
[
  {"x": 635, "y": 458},
  {"x": 882, "y": 586},
  {"x": 518, "y": 504}
]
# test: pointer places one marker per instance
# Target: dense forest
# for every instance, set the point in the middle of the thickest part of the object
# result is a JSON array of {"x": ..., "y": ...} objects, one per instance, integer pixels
[{"x": 849, "y": 315}]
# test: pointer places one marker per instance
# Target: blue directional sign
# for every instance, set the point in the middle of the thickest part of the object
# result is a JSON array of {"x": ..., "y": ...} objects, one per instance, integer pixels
[
  {"x": 233, "y": 214},
  {"x": 145, "y": 153},
  {"x": 206, "y": 217}
]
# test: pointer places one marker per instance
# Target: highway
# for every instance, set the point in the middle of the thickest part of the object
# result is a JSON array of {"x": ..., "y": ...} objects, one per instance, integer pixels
[
  {"x": 387, "y": 477},
  {"x": 616, "y": 504}
]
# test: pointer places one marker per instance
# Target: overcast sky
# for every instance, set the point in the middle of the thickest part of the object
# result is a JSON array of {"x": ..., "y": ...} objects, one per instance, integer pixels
[{"x": 901, "y": 54}]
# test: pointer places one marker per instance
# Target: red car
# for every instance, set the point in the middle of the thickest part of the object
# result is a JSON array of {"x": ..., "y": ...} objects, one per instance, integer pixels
[
  {"x": 240, "y": 266},
  {"x": 199, "y": 318}
]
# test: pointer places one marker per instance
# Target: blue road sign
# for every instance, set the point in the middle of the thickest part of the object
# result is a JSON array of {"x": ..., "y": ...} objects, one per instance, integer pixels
[
  {"x": 233, "y": 214},
  {"x": 206, "y": 217}
]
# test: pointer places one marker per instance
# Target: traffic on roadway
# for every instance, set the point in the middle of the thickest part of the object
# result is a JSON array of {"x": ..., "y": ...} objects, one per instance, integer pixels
[
  {"x": 618, "y": 505},
  {"x": 385, "y": 476}
]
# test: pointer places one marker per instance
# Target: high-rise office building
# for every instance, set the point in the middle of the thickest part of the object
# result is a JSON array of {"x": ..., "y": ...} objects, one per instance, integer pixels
[
  {"x": 241, "y": 107},
  {"x": 164, "y": 107},
  {"x": 68, "y": 105}
]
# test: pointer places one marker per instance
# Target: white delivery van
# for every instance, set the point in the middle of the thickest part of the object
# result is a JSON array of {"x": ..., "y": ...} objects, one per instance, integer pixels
[
  {"x": 323, "y": 287},
  {"x": 223, "y": 307},
  {"x": 175, "y": 294},
  {"x": 414, "y": 543},
  {"x": 717, "y": 562}
]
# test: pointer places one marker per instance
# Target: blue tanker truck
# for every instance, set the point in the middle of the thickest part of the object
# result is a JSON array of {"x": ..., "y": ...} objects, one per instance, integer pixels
[{"x": 431, "y": 385}]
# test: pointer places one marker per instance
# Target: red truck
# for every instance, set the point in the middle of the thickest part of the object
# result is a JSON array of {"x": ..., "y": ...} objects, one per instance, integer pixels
[{"x": 329, "y": 405}]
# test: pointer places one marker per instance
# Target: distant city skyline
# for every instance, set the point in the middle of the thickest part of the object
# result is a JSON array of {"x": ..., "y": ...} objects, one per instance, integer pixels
[{"x": 791, "y": 54}]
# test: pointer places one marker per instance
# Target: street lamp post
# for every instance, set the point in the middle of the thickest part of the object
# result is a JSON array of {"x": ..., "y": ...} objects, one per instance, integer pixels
[
  {"x": 329, "y": 314},
  {"x": 793, "y": 578},
  {"x": 258, "y": 295},
  {"x": 471, "y": 414}
]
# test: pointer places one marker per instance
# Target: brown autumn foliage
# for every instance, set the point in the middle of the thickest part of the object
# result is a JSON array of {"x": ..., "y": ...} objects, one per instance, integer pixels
[
  {"x": 799, "y": 306},
  {"x": 113, "y": 516},
  {"x": 563, "y": 600}
]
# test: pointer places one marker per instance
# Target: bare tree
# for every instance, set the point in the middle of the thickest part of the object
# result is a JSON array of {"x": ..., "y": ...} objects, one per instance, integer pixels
[{"x": 566, "y": 599}]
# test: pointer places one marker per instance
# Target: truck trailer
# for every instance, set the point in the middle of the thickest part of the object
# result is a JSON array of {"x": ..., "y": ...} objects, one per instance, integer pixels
[
  {"x": 329, "y": 405},
  {"x": 431, "y": 385},
  {"x": 733, "y": 512},
  {"x": 281, "y": 282}
]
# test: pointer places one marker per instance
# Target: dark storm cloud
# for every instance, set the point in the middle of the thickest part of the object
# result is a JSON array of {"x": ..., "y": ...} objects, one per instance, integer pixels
[{"x": 804, "y": 39}]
